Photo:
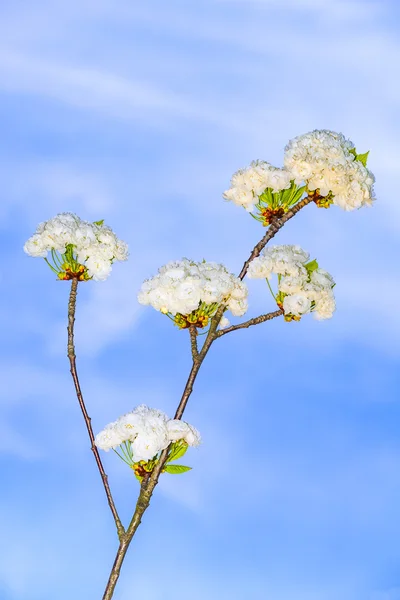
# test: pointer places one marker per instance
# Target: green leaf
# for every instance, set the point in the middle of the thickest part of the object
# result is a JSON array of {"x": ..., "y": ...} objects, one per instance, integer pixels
[
  {"x": 267, "y": 197},
  {"x": 176, "y": 469},
  {"x": 178, "y": 449},
  {"x": 363, "y": 158},
  {"x": 99, "y": 223},
  {"x": 360, "y": 157},
  {"x": 311, "y": 266}
]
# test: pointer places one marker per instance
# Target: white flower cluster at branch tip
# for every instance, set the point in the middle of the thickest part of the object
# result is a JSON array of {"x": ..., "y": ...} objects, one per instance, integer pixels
[
  {"x": 77, "y": 247},
  {"x": 322, "y": 161},
  {"x": 302, "y": 286},
  {"x": 327, "y": 161},
  {"x": 250, "y": 183},
  {"x": 148, "y": 431},
  {"x": 185, "y": 287}
]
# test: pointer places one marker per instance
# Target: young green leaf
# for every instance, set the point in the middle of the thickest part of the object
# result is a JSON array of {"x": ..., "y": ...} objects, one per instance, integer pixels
[
  {"x": 311, "y": 266},
  {"x": 360, "y": 157},
  {"x": 178, "y": 449},
  {"x": 176, "y": 469},
  {"x": 99, "y": 223},
  {"x": 363, "y": 158}
]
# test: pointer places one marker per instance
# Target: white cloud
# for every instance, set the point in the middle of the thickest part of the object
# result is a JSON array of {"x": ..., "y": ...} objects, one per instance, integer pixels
[
  {"x": 89, "y": 88},
  {"x": 51, "y": 187}
]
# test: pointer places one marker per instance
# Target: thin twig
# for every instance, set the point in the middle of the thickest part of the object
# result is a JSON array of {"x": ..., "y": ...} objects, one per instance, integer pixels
[
  {"x": 273, "y": 229},
  {"x": 250, "y": 322},
  {"x": 74, "y": 373}
]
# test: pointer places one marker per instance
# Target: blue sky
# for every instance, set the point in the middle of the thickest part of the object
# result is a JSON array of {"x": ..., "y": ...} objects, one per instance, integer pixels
[{"x": 138, "y": 113}]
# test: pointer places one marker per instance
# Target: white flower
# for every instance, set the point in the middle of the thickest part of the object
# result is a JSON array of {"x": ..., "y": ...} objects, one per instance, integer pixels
[
  {"x": 147, "y": 431},
  {"x": 35, "y": 246},
  {"x": 238, "y": 307},
  {"x": 242, "y": 197},
  {"x": 121, "y": 250},
  {"x": 92, "y": 245},
  {"x": 129, "y": 425},
  {"x": 282, "y": 260},
  {"x": 260, "y": 268},
  {"x": 224, "y": 322},
  {"x": 98, "y": 267},
  {"x": 292, "y": 285},
  {"x": 322, "y": 278},
  {"x": 296, "y": 304},
  {"x": 145, "y": 447},
  {"x": 183, "y": 286},
  {"x": 302, "y": 287},
  {"x": 109, "y": 438},
  {"x": 248, "y": 184},
  {"x": 325, "y": 160},
  {"x": 325, "y": 305},
  {"x": 179, "y": 430}
]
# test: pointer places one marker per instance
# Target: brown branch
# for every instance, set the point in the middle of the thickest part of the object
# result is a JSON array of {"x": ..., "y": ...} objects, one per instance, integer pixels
[
  {"x": 250, "y": 322},
  {"x": 148, "y": 485},
  {"x": 193, "y": 341},
  {"x": 143, "y": 502},
  {"x": 74, "y": 373},
  {"x": 273, "y": 229}
]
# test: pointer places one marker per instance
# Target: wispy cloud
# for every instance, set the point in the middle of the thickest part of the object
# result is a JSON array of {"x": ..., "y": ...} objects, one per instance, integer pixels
[{"x": 142, "y": 119}]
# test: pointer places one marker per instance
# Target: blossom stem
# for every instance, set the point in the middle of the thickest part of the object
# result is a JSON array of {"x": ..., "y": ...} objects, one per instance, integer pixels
[
  {"x": 51, "y": 267},
  {"x": 74, "y": 373},
  {"x": 270, "y": 288}
]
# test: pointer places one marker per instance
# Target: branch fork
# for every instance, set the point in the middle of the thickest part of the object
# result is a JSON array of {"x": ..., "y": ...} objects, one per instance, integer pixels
[{"x": 198, "y": 355}]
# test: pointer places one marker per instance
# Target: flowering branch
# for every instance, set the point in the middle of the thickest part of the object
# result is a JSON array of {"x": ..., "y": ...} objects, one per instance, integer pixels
[
  {"x": 250, "y": 322},
  {"x": 195, "y": 295},
  {"x": 148, "y": 485},
  {"x": 74, "y": 373}
]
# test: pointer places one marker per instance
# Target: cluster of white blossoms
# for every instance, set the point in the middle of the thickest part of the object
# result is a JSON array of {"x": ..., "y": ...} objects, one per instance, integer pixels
[
  {"x": 77, "y": 248},
  {"x": 321, "y": 160},
  {"x": 194, "y": 288},
  {"x": 302, "y": 286},
  {"x": 148, "y": 431},
  {"x": 247, "y": 185},
  {"x": 328, "y": 162}
]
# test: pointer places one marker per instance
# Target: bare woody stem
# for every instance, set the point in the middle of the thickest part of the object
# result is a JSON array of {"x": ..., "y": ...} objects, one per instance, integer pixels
[
  {"x": 193, "y": 341},
  {"x": 74, "y": 373},
  {"x": 273, "y": 229},
  {"x": 148, "y": 485},
  {"x": 250, "y": 322}
]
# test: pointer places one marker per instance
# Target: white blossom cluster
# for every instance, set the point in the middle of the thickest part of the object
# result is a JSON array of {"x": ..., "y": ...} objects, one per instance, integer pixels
[
  {"x": 248, "y": 184},
  {"x": 303, "y": 286},
  {"x": 182, "y": 286},
  {"x": 148, "y": 430},
  {"x": 327, "y": 161},
  {"x": 95, "y": 246}
]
